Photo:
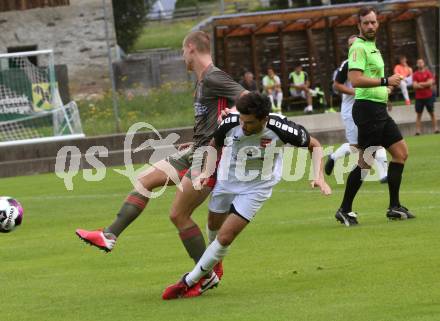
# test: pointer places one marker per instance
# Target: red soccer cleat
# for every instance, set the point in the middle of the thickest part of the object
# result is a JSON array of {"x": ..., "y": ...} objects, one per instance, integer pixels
[
  {"x": 218, "y": 269},
  {"x": 176, "y": 290},
  {"x": 205, "y": 283},
  {"x": 97, "y": 238},
  {"x": 182, "y": 290}
]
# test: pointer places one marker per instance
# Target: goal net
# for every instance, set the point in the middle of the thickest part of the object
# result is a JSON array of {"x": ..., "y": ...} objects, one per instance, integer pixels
[{"x": 30, "y": 105}]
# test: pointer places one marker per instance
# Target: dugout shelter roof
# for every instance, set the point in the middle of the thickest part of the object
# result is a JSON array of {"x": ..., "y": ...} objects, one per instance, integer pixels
[{"x": 316, "y": 37}]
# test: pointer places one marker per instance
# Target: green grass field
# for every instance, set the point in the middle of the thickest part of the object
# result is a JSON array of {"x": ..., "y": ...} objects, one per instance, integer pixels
[
  {"x": 164, "y": 35},
  {"x": 292, "y": 263}
]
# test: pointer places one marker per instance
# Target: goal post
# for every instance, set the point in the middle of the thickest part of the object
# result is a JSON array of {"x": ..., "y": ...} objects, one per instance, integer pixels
[{"x": 30, "y": 104}]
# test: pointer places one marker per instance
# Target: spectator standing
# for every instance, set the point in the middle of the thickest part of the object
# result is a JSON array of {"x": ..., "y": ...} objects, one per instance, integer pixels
[{"x": 422, "y": 83}]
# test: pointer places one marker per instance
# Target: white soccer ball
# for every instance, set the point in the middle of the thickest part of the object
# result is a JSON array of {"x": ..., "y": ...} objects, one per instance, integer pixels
[{"x": 11, "y": 214}]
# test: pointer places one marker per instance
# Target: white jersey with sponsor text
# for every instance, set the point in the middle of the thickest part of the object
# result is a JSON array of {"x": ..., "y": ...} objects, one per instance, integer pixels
[{"x": 255, "y": 161}]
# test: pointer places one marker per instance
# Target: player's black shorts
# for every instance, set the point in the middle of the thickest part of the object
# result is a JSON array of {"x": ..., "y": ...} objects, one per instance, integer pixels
[
  {"x": 421, "y": 103},
  {"x": 375, "y": 126}
]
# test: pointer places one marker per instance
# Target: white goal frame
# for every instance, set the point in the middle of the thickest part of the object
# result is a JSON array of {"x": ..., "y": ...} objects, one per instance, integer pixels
[{"x": 56, "y": 102}]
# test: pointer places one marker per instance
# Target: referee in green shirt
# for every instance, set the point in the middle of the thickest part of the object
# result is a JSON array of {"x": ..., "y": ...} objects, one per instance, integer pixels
[{"x": 375, "y": 127}]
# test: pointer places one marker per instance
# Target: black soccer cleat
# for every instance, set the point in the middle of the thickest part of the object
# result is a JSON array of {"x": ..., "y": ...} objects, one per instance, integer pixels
[
  {"x": 399, "y": 213},
  {"x": 348, "y": 219},
  {"x": 384, "y": 180},
  {"x": 329, "y": 165}
]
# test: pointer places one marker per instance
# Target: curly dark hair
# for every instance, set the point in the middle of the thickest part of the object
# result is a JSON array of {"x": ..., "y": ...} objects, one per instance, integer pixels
[{"x": 254, "y": 103}]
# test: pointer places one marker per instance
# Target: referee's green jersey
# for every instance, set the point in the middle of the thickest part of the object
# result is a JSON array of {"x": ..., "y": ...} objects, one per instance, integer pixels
[{"x": 365, "y": 56}]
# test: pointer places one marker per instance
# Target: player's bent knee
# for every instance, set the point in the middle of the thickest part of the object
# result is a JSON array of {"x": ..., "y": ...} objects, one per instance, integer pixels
[
  {"x": 180, "y": 218},
  {"x": 400, "y": 154},
  {"x": 225, "y": 239},
  {"x": 400, "y": 157},
  {"x": 405, "y": 155},
  {"x": 178, "y": 221},
  {"x": 176, "y": 218}
]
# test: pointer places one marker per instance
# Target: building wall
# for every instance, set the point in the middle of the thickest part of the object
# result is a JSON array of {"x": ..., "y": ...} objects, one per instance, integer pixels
[{"x": 75, "y": 32}]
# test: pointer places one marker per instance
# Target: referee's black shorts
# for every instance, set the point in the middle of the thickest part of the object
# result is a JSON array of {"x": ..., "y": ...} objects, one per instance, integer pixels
[{"x": 375, "y": 126}]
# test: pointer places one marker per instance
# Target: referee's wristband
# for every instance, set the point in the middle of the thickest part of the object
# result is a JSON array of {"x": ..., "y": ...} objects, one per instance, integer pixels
[{"x": 384, "y": 81}]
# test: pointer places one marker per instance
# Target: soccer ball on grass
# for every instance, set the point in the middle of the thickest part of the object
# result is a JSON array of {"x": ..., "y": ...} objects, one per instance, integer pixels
[{"x": 11, "y": 214}]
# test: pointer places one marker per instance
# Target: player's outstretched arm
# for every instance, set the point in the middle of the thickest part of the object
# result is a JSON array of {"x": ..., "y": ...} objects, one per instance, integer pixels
[{"x": 317, "y": 153}]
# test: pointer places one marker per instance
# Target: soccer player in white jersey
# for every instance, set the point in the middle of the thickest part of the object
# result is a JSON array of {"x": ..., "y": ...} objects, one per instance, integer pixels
[
  {"x": 249, "y": 140},
  {"x": 342, "y": 85}
]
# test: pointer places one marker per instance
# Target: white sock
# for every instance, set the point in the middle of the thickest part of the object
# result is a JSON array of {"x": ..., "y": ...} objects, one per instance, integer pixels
[
  {"x": 382, "y": 162},
  {"x": 342, "y": 151},
  {"x": 211, "y": 234},
  {"x": 279, "y": 99},
  {"x": 213, "y": 254},
  {"x": 404, "y": 89}
]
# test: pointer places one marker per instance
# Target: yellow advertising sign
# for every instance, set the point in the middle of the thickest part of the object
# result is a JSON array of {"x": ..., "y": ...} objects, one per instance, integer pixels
[{"x": 41, "y": 95}]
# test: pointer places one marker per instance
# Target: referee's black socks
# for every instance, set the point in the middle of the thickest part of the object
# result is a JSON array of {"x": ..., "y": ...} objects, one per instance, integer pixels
[
  {"x": 394, "y": 178},
  {"x": 354, "y": 182}
]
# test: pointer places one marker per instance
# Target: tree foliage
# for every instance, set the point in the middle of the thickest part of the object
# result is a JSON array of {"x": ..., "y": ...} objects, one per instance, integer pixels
[{"x": 129, "y": 20}]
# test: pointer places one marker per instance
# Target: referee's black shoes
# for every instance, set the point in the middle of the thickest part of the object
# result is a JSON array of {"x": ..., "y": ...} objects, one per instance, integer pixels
[
  {"x": 349, "y": 219},
  {"x": 399, "y": 213}
]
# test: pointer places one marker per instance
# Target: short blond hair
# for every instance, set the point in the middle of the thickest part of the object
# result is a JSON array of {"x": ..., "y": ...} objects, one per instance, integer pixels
[{"x": 200, "y": 40}]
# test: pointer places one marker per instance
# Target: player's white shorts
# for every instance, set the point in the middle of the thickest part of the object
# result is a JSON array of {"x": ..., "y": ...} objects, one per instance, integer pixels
[
  {"x": 297, "y": 93},
  {"x": 351, "y": 130},
  {"x": 247, "y": 205}
]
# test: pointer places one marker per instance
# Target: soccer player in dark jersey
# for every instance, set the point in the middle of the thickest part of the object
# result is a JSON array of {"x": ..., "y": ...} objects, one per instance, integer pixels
[
  {"x": 214, "y": 92},
  {"x": 375, "y": 127},
  {"x": 248, "y": 138}
]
